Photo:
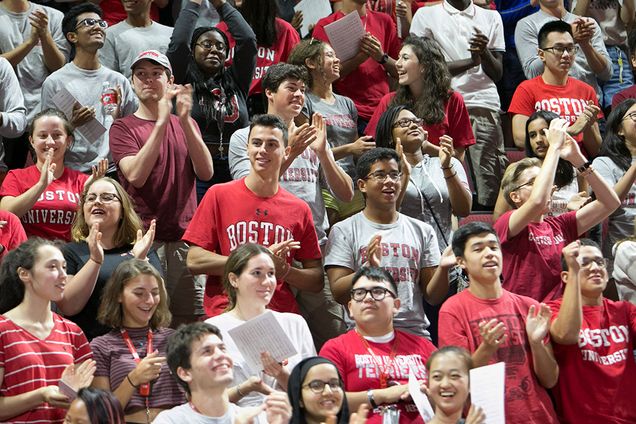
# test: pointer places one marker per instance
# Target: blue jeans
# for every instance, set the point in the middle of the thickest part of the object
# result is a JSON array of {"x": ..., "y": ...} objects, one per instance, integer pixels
[{"x": 622, "y": 76}]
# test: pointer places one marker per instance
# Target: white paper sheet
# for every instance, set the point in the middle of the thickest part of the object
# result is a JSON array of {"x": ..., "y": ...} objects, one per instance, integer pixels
[
  {"x": 487, "y": 391},
  {"x": 313, "y": 11},
  {"x": 262, "y": 334},
  {"x": 419, "y": 399},
  {"x": 64, "y": 101},
  {"x": 345, "y": 35}
]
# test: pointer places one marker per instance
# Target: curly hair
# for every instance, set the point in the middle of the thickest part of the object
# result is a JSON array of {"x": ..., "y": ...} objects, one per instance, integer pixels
[
  {"x": 614, "y": 145},
  {"x": 308, "y": 50},
  {"x": 430, "y": 106}
]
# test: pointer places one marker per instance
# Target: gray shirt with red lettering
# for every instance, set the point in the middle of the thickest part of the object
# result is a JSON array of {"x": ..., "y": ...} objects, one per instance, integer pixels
[{"x": 408, "y": 245}]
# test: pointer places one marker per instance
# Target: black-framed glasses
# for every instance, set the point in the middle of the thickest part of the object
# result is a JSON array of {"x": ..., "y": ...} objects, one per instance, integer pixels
[
  {"x": 381, "y": 176},
  {"x": 318, "y": 386},
  {"x": 526, "y": 184},
  {"x": 90, "y": 22},
  {"x": 631, "y": 116},
  {"x": 207, "y": 45},
  {"x": 377, "y": 293},
  {"x": 407, "y": 122},
  {"x": 559, "y": 50},
  {"x": 600, "y": 262},
  {"x": 103, "y": 198}
]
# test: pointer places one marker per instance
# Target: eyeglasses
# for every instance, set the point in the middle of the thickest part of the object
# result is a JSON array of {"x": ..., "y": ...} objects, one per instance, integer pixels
[
  {"x": 559, "y": 50},
  {"x": 587, "y": 262},
  {"x": 526, "y": 184},
  {"x": 90, "y": 22},
  {"x": 103, "y": 198},
  {"x": 318, "y": 386},
  {"x": 207, "y": 45},
  {"x": 381, "y": 176},
  {"x": 377, "y": 293},
  {"x": 407, "y": 122},
  {"x": 631, "y": 116}
]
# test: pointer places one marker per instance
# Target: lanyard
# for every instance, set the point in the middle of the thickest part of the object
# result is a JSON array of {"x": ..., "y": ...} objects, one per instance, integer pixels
[
  {"x": 144, "y": 389},
  {"x": 383, "y": 371}
]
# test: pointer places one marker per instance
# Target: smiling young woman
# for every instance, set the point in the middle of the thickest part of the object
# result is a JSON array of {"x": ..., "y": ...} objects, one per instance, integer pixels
[{"x": 131, "y": 357}]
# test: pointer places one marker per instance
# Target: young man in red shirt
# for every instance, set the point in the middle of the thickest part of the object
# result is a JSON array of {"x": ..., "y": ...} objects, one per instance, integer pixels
[{"x": 593, "y": 343}]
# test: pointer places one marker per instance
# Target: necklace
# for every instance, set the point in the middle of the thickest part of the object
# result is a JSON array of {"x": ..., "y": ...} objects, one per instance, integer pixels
[{"x": 383, "y": 371}]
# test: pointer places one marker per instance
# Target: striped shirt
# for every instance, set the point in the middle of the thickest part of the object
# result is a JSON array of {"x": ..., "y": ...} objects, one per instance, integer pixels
[{"x": 30, "y": 363}]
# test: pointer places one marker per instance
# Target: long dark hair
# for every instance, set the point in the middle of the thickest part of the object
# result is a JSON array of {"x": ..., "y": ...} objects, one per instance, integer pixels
[
  {"x": 565, "y": 172},
  {"x": 614, "y": 146},
  {"x": 384, "y": 129},
  {"x": 23, "y": 256},
  {"x": 261, "y": 15},
  {"x": 430, "y": 106},
  {"x": 102, "y": 406}
]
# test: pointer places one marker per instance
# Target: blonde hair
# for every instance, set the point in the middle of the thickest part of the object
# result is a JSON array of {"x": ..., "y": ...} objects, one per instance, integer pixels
[{"x": 510, "y": 179}]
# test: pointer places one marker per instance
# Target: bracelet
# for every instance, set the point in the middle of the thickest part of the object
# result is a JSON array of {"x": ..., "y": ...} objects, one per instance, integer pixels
[
  {"x": 130, "y": 381},
  {"x": 587, "y": 171},
  {"x": 286, "y": 271},
  {"x": 238, "y": 390},
  {"x": 448, "y": 167},
  {"x": 450, "y": 176},
  {"x": 584, "y": 167},
  {"x": 371, "y": 399},
  {"x": 97, "y": 262}
]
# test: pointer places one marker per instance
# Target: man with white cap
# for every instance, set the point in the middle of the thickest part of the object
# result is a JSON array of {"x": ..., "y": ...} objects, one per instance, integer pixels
[{"x": 158, "y": 155}]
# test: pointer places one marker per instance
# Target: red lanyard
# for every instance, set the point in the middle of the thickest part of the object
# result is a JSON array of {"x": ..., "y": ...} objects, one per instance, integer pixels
[
  {"x": 144, "y": 389},
  {"x": 383, "y": 371}
]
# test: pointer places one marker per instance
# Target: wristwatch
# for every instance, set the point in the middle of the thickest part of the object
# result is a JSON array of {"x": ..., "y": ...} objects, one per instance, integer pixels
[
  {"x": 385, "y": 59},
  {"x": 371, "y": 399}
]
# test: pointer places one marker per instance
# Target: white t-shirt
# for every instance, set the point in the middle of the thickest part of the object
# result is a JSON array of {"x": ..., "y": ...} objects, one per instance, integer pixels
[
  {"x": 185, "y": 414},
  {"x": 453, "y": 29}
]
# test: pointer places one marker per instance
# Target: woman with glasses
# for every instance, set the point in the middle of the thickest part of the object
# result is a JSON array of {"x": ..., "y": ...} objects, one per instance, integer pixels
[
  {"x": 250, "y": 282},
  {"x": 531, "y": 241},
  {"x": 375, "y": 359},
  {"x": 45, "y": 195},
  {"x": 424, "y": 87},
  {"x": 570, "y": 190},
  {"x": 198, "y": 57},
  {"x": 107, "y": 232},
  {"x": 617, "y": 165}
]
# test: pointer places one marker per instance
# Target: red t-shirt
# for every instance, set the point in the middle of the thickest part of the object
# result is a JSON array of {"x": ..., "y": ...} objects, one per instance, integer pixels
[
  {"x": 52, "y": 215},
  {"x": 597, "y": 376},
  {"x": 568, "y": 101},
  {"x": 287, "y": 39},
  {"x": 526, "y": 400},
  {"x": 368, "y": 83},
  {"x": 359, "y": 368},
  {"x": 628, "y": 93},
  {"x": 231, "y": 215},
  {"x": 114, "y": 12},
  {"x": 169, "y": 194},
  {"x": 456, "y": 123},
  {"x": 12, "y": 234},
  {"x": 532, "y": 258},
  {"x": 30, "y": 363}
]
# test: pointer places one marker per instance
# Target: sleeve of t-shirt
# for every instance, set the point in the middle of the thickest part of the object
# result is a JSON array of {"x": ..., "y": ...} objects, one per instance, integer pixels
[
  {"x": 461, "y": 173},
  {"x": 632, "y": 319},
  {"x": 605, "y": 168},
  {"x": 55, "y": 28},
  {"x": 567, "y": 224},
  {"x": 307, "y": 347},
  {"x": 332, "y": 350},
  {"x": 392, "y": 43},
  {"x": 502, "y": 226},
  {"x": 48, "y": 91},
  {"x": 81, "y": 346},
  {"x": 555, "y": 306},
  {"x": 101, "y": 356},
  {"x": 18, "y": 236},
  {"x": 430, "y": 256},
  {"x": 129, "y": 102},
  {"x": 309, "y": 247},
  {"x": 452, "y": 332},
  {"x": 73, "y": 261},
  {"x": 419, "y": 26},
  {"x": 11, "y": 186},
  {"x": 377, "y": 113},
  {"x": 599, "y": 46},
  {"x": 497, "y": 42},
  {"x": 291, "y": 38},
  {"x": 202, "y": 228},
  {"x": 239, "y": 162},
  {"x": 122, "y": 142},
  {"x": 522, "y": 101},
  {"x": 107, "y": 54},
  {"x": 459, "y": 122},
  {"x": 319, "y": 31},
  {"x": 339, "y": 249},
  {"x": 526, "y": 43}
]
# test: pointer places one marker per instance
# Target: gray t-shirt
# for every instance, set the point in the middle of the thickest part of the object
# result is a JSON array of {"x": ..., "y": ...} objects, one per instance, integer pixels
[
  {"x": 15, "y": 29},
  {"x": 302, "y": 178},
  {"x": 185, "y": 414},
  {"x": 341, "y": 118},
  {"x": 86, "y": 87},
  {"x": 526, "y": 34},
  {"x": 607, "y": 14},
  {"x": 621, "y": 222},
  {"x": 408, "y": 245},
  {"x": 124, "y": 42},
  {"x": 12, "y": 108},
  {"x": 427, "y": 183}
]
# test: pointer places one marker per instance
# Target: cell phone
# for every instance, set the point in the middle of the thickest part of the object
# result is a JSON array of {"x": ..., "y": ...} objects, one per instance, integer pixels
[
  {"x": 67, "y": 390},
  {"x": 302, "y": 118}
]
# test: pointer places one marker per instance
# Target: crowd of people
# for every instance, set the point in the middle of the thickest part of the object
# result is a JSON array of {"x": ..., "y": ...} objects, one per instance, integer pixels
[{"x": 168, "y": 176}]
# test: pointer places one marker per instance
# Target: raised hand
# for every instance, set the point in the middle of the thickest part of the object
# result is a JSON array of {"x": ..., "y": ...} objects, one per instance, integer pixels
[
  {"x": 448, "y": 259},
  {"x": 281, "y": 251},
  {"x": 556, "y": 133},
  {"x": 39, "y": 21},
  {"x": 147, "y": 369},
  {"x": 446, "y": 150},
  {"x": 165, "y": 104},
  {"x": 184, "y": 101},
  {"x": 95, "y": 248},
  {"x": 144, "y": 241},
  {"x": 55, "y": 398},
  {"x": 275, "y": 369},
  {"x": 405, "y": 165},
  {"x": 277, "y": 408},
  {"x": 493, "y": 333},
  {"x": 255, "y": 384},
  {"x": 582, "y": 30},
  {"x": 588, "y": 117},
  {"x": 47, "y": 173},
  {"x": 79, "y": 376},
  {"x": 320, "y": 144},
  {"x": 475, "y": 415},
  {"x": 571, "y": 254},
  {"x": 297, "y": 20},
  {"x": 362, "y": 145},
  {"x": 372, "y": 47},
  {"x": 99, "y": 170},
  {"x": 538, "y": 323},
  {"x": 374, "y": 251},
  {"x": 81, "y": 115},
  {"x": 300, "y": 138},
  {"x": 571, "y": 151},
  {"x": 478, "y": 43}
]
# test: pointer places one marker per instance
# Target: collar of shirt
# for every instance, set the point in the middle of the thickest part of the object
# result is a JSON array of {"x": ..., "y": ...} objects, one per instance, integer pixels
[{"x": 469, "y": 11}]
